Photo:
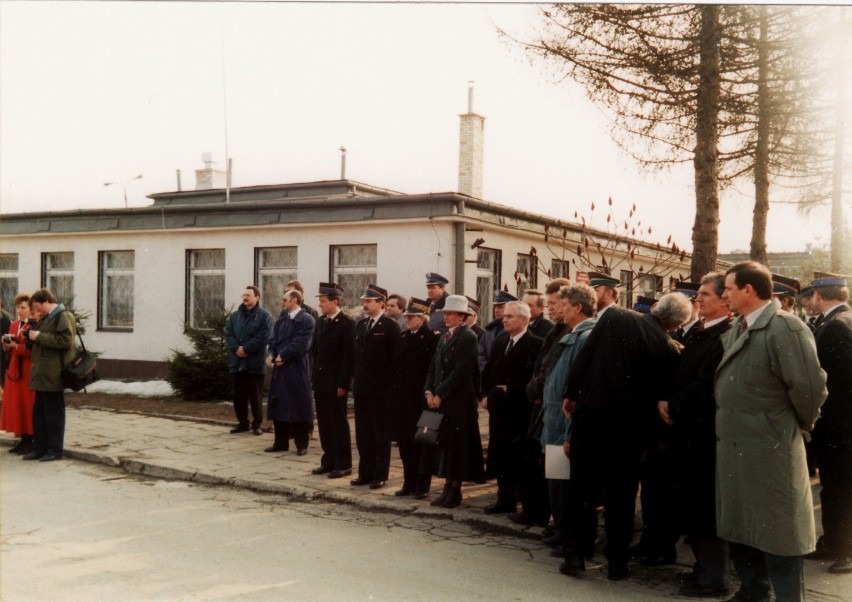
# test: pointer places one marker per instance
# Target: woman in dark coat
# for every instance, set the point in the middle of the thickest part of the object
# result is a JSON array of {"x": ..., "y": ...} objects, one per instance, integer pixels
[
  {"x": 451, "y": 388},
  {"x": 405, "y": 396}
]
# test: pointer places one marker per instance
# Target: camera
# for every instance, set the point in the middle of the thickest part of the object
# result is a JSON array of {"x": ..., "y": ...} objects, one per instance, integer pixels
[
  {"x": 8, "y": 339},
  {"x": 32, "y": 323}
]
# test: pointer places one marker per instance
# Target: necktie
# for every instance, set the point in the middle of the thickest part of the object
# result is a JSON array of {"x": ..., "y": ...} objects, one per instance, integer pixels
[
  {"x": 510, "y": 345},
  {"x": 743, "y": 327},
  {"x": 447, "y": 337},
  {"x": 370, "y": 324}
]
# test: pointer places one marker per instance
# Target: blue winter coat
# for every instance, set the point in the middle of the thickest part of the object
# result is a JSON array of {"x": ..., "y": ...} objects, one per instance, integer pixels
[
  {"x": 249, "y": 328},
  {"x": 290, "y": 388},
  {"x": 557, "y": 428}
]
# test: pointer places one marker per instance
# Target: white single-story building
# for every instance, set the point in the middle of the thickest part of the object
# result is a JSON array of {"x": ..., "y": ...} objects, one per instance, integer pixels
[{"x": 142, "y": 273}]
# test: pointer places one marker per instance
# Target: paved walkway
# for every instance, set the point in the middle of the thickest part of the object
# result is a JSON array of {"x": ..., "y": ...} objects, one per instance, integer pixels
[{"x": 171, "y": 448}]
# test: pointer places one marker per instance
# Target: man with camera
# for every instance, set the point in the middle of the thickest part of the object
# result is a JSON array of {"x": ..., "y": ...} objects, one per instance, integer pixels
[{"x": 52, "y": 342}]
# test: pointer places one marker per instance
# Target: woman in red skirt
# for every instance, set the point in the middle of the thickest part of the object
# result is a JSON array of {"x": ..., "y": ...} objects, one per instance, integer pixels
[{"x": 16, "y": 415}]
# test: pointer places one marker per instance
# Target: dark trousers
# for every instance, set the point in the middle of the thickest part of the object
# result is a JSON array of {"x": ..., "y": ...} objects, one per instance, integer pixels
[
  {"x": 557, "y": 491},
  {"x": 605, "y": 458},
  {"x": 300, "y": 431},
  {"x": 48, "y": 422},
  {"x": 535, "y": 500},
  {"x": 414, "y": 478},
  {"x": 507, "y": 491},
  {"x": 660, "y": 533},
  {"x": 834, "y": 458},
  {"x": 334, "y": 434},
  {"x": 248, "y": 391},
  {"x": 757, "y": 569},
  {"x": 580, "y": 521},
  {"x": 373, "y": 447},
  {"x": 711, "y": 561}
]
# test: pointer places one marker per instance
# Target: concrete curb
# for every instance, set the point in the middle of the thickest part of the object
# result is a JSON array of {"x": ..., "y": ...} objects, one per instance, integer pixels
[{"x": 295, "y": 491}]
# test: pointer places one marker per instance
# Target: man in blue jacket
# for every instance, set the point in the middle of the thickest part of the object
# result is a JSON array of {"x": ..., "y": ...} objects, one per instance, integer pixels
[{"x": 246, "y": 334}]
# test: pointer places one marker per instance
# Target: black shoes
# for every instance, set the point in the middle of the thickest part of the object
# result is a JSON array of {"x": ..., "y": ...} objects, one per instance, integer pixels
[
  {"x": 841, "y": 566},
  {"x": 337, "y": 474},
  {"x": 499, "y": 508},
  {"x": 240, "y": 428},
  {"x": 302, "y": 452},
  {"x": 21, "y": 447},
  {"x": 694, "y": 590},
  {"x": 657, "y": 560},
  {"x": 453, "y": 499},
  {"x": 322, "y": 470},
  {"x": 377, "y": 484},
  {"x": 360, "y": 481},
  {"x": 617, "y": 572},
  {"x": 575, "y": 567},
  {"x": 439, "y": 501},
  {"x": 421, "y": 495},
  {"x": 275, "y": 448},
  {"x": 257, "y": 430},
  {"x": 50, "y": 457},
  {"x": 404, "y": 491},
  {"x": 553, "y": 541},
  {"x": 33, "y": 455}
]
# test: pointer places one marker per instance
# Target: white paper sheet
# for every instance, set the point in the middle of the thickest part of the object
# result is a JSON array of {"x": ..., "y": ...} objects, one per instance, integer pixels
[{"x": 556, "y": 463}]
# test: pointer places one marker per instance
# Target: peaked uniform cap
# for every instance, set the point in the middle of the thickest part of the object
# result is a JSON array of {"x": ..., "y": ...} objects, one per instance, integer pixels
[
  {"x": 417, "y": 307},
  {"x": 433, "y": 278},
  {"x": 599, "y": 279},
  {"x": 374, "y": 291}
]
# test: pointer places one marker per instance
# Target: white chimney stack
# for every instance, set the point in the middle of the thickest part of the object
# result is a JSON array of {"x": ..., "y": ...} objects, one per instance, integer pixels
[
  {"x": 471, "y": 149},
  {"x": 210, "y": 178}
]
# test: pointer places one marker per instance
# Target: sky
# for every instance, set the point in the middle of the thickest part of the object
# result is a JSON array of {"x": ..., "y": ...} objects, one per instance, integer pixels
[{"x": 96, "y": 92}]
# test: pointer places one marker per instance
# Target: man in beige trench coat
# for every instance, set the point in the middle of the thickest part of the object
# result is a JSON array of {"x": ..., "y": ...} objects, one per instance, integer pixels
[{"x": 769, "y": 387}]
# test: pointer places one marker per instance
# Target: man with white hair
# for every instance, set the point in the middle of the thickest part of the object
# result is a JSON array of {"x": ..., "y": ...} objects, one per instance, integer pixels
[{"x": 504, "y": 382}]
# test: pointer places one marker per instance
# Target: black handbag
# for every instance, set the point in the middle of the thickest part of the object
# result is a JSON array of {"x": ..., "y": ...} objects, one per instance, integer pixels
[
  {"x": 80, "y": 371},
  {"x": 431, "y": 428}
]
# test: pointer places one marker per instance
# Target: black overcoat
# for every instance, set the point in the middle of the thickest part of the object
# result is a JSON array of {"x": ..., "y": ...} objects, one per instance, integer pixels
[
  {"x": 374, "y": 351},
  {"x": 333, "y": 353},
  {"x": 408, "y": 375}
]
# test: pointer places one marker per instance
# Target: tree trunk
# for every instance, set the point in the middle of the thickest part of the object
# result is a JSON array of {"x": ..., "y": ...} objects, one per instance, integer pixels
[
  {"x": 761, "y": 151},
  {"x": 705, "y": 235}
]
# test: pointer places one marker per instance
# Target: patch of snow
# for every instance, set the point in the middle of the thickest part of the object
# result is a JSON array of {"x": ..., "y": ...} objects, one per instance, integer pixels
[{"x": 151, "y": 388}]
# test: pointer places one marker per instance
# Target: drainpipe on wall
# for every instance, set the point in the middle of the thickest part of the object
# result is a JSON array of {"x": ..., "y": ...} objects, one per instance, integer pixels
[{"x": 458, "y": 227}]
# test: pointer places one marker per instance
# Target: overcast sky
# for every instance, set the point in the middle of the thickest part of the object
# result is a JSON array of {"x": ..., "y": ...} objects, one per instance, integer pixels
[{"x": 102, "y": 92}]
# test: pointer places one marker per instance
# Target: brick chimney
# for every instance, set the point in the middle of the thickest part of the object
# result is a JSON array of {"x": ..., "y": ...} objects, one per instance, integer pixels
[
  {"x": 209, "y": 178},
  {"x": 471, "y": 133}
]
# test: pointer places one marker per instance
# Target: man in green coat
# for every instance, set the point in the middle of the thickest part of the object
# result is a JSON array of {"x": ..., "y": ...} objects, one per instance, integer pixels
[
  {"x": 769, "y": 388},
  {"x": 52, "y": 341}
]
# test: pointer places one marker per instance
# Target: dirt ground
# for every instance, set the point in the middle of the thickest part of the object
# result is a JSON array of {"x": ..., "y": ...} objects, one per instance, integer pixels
[{"x": 156, "y": 406}]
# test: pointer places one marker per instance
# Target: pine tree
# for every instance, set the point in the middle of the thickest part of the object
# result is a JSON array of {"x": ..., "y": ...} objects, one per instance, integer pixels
[{"x": 203, "y": 374}]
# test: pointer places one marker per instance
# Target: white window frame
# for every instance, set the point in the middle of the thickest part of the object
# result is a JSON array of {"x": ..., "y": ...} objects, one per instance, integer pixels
[{"x": 106, "y": 272}]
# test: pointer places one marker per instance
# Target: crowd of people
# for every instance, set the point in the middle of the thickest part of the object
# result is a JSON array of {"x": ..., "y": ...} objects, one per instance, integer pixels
[
  {"x": 36, "y": 347},
  {"x": 705, "y": 396}
]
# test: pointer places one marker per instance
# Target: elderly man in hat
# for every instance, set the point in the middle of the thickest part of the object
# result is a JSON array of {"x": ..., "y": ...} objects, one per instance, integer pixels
[
  {"x": 436, "y": 293},
  {"x": 609, "y": 396},
  {"x": 376, "y": 337},
  {"x": 494, "y": 328},
  {"x": 333, "y": 354},
  {"x": 832, "y": 435}
]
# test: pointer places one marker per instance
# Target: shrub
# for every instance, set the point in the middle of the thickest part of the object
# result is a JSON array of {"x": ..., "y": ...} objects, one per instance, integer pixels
[{"x": 203, "y": 374}]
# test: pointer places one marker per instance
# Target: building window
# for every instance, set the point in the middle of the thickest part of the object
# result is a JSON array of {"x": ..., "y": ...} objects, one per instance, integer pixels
[
  {"x": 527, "y": 274},
  {"x": 626, "y": 300},
  {"x": 353, "y": 267},
  {"x": 57, "y": 274},
  {"x": 115, "y": 290},
  {"x": 559, "y": 268},
  {"x": 8, "y": 280},
  {"x": 488, "y": 262},
  {"x": 205, "y": 289},
  {"x": 649, "y": 285},
  {"x": 274, "y": 268}
]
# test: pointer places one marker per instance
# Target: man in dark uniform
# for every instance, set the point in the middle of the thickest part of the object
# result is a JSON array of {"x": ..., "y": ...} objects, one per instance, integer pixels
[
  {"x": 785, "y": 289},
  {"x": 333, "y": 356},
  {"x": 494, "y": 328},
  {"x": 612, "y": 388},
  {"x": 832, "y": 435},
  {"x": 436, "y": 293},
  {"x": 690, "y": 289},
  {"x": 474, "y": 306},
  {"x": 539, "y": 325},
  {"x": 376, "y": 337},
  {"x": 295, "y": 285},
  {"x": 504, "y": 383}
]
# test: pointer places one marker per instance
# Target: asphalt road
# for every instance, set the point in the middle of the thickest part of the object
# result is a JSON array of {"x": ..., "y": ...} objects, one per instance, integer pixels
[{"x": 75, "y": 531}]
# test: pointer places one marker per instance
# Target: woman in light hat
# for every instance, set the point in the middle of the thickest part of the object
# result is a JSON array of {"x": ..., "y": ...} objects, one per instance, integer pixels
[{"x": 451, "y": 388}]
